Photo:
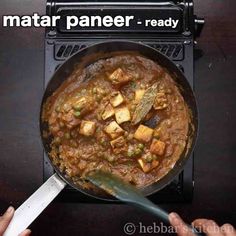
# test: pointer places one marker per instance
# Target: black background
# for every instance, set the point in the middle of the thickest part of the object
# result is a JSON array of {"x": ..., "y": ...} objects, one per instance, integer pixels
[{"x": 21, "y": 89}]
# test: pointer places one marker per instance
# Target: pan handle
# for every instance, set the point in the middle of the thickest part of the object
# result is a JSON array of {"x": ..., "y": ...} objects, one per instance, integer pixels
[{"x": 34, "y": 205}]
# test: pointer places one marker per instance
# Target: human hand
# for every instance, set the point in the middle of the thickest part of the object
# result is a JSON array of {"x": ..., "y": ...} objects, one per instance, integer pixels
[
  {"x": 5, "y": 220},
  {"x": 209, "y": 227}
]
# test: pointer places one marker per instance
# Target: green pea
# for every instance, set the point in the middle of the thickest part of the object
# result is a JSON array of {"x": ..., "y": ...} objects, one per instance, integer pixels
[
  {"x": 133, "y": 84},
  {"x": 61, "y": 124},
  {"x": 130, "y": 153},
  {"x": 73, "y": 143},
  {"x": 67, "y": 135},
  {"x": 154, "y": 157},
  {"x": 130, "y": 136},
  {"x": 77, "y": 107},
  {"x": 100, "y": 154},
  {"x": 77, "y": 113},
  {"x": 103, "y": 142},
  {"x": 132, "y": 108},
  {"x": 73, "y": 133},
  {"x": 103, "y": 92},
  {"x": 98, "y": 97},
  {"x": 57, "y": 140},
  {"x": 110, "y": 158},
  {"x": 149, "y": 158},
  {"x": 66, "y": 107},
  {"x": 141, "y": 146},
  {"x": 136, "y": 76},
  {"x": 58, "y": 109},
  {"x": 137, "y": 151},
  {"x": 142, "y": 86}
]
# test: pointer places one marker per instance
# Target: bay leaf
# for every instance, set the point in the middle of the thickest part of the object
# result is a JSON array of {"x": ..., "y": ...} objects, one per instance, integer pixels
[{"x": 145, "y": 104}]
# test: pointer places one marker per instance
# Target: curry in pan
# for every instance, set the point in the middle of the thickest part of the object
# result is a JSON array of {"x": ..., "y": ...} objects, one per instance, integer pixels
[{"x": 124, "y": 114}]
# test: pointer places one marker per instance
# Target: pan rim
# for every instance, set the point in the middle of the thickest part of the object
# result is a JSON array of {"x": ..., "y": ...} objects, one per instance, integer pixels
[{"x": 166, "y": 179}]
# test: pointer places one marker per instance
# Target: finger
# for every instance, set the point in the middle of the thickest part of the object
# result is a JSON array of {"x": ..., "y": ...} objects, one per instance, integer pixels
[
  {"x": 208, "y": 227},
  {"x": 228, "y": 230},
  {"x": 26, "y": 232},
  {"x": 5, "y": 219},
  {"x": 180, "y": 227}
]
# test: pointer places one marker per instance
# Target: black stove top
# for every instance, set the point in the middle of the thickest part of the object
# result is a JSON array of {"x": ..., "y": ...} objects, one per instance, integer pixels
[{"x": 177, "y": 45}]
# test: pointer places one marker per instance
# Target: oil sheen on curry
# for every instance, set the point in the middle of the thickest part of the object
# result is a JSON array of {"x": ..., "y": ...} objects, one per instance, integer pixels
[{"x": 123, "y": 114}]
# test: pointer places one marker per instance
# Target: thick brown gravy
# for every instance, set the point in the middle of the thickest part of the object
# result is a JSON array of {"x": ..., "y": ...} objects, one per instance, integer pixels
[{"x": 124, "y": 115}]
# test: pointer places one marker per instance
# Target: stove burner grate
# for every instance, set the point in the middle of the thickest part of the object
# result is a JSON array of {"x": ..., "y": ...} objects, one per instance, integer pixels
[{"x": 173, "y": 50}]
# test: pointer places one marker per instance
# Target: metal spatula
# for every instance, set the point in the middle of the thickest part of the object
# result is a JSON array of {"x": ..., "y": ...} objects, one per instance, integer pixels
[{"x": 128, "y": 193}]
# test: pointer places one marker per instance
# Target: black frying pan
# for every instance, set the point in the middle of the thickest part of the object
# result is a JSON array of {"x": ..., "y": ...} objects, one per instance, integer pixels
[
  {"x": 104, "y": 50},
  {"x": 37, "y": 202}
]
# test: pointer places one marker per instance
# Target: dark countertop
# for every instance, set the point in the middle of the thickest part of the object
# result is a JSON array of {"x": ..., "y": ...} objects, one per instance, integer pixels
[{"x": 21, "y": 89}]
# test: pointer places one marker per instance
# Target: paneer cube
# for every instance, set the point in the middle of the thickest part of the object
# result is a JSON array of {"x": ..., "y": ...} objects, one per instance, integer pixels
[
  {"x": 119, "y": 77},
  {"x": 157, "y": 147},
  {"x": 119, "y": 144},
  {"x": 139, "y": 94},
  {"x": 114, "y": 130},
  {"x": 116, "y": 99},
  {"x": 146, "y": 167},
  {"x": 143, "y": 134},
  {"x": 108, "y": 112},
  {"x": 87, "y": 128},
  {"x": 122, "y": 114}
]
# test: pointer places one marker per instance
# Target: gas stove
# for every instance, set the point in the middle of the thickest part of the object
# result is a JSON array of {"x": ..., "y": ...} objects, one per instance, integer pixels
[{"x": 168, "y": 26}]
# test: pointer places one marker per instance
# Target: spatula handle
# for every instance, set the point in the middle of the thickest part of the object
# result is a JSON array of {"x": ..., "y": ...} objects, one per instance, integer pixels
[{"x": 34, "y": 205}]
